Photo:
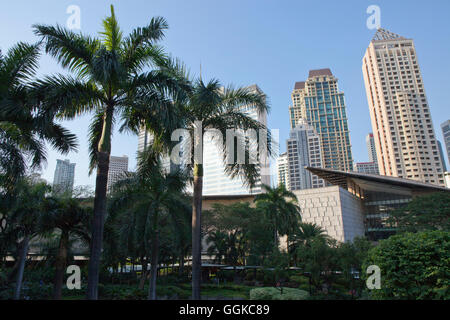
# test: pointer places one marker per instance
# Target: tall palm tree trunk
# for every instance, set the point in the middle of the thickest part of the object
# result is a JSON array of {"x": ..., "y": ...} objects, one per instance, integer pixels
[
  {"x": 144, "y": 273},
  {"x": 97, "y": 225},
  {"x": 154, "y": 267},
  {"x": 196, "y": 231},
  {"x": 181, "y": 265},
  {"x": 104, "y": 150},
  {"x": 61, "y": 260},
  {"x": 23, "y": 258}
]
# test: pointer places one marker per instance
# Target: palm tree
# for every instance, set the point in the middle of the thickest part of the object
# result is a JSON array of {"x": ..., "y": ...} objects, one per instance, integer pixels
[
  {"x": 308, "y": 231},
  {"x": 280, "y": 207},
  {"x": 148, "y": 199},
  {"x": 111, "y": 80},
  {"x": 211, "y": 106},
  {"x": 22, "y": 220},
  {"x": 71, "y": 218},
  {"x": 218, "y": 245},
  {"x": 24, "y": 125},
  {"x": 303, "y": 236}
]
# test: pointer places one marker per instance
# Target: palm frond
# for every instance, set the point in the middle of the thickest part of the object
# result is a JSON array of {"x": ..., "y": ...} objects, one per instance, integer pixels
[
  {"x": 20, "y": 64},
  {"x": 66, "y": 96},
  {"x": 112, "y": 36},
  {"x": 73, "y": 51}
]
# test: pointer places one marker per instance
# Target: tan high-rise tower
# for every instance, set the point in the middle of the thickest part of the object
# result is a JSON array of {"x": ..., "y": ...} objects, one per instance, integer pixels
[{"x": 401, "y": 121}]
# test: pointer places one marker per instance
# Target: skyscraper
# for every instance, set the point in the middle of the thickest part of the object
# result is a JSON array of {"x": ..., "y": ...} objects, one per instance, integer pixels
[
  {"x": 303, "y": 149},
  {"x": 319, "y": 101},
  {"x": 283, "y": 170},
  {"x": 117, "y": 167},
  {"x": 372, "y": 165},
  {"x": 401, "y": 121},
  {"x": 64, "y": 176},
  {"x": 367, "y": 167},
  {"x": 446, "y": 134},
  {"x": 145, "y": 139},
  {"x": 215, "y": 181},
  {"x": 441, "y": 154},
  {"x": 370, "y": 142}
]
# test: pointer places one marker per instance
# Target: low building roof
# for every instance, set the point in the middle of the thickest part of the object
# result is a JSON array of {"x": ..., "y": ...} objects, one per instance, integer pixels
[{"x": 374, "y": 182}]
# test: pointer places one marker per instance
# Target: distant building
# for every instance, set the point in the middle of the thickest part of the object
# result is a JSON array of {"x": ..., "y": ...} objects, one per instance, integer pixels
[
  {"x": 354, "y": 205},
  {"x": 447, "y": 179},
  {"x": 446, "y": 134},
  {"x": 283, "y": 170},
  {"x": 36, "y": 177},
  {"x": 371, "y": 148},
  {"x": 145, "y": 140},
  {"x": 401, "y": 120},
  {"x": 442, "y": 155},
  {"x": 64, "y": 176},
  {"x": 373, "y": 197},
  {"x": 303, "y": 150},
  {"x": 366, "y": 167},
  {"x": 319, "y": 101},
  {"x": 118, "y": 166},
  {"x": 215, "y": 181}
]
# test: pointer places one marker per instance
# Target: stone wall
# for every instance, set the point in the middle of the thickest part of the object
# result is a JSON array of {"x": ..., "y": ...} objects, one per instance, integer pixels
[{"x": 334, "y": 209}]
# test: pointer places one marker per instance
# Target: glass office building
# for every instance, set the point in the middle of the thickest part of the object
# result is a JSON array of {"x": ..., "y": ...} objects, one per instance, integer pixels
[{"x": 319, "y": 101}]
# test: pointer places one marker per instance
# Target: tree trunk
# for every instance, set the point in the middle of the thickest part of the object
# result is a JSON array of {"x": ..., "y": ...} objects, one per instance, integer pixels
[
  {"x": 144, "y": 273},
  {"x": 97, "y": 225},
  {"x": 23, "y": 258},
  {"x": 104, "y": 150},
  {"x": 154, "y": 267},
  {"x": 181, "y": 265},
  {"x": 196, "y": 231},
  {"x": 61, "y": 261}
]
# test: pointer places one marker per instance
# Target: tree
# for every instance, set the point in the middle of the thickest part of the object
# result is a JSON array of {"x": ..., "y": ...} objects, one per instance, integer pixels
[
  {"x": 148, "y": 199},
  {"x": 112, "y": 81},
  {"x": 67, "y": 215},
  {"x": 302, "y": 237},
  {"x": 280, "y": 206},
  {"x": 351, "y": 256},
  {"x": 318, "y": 257},
  {"x": 227, "y": 228},
  {"x": 413, "y": 266},
  {"x": 24, "y": 125},
  {"x": 22, "y": 221},
  {"x": 427, "y": 212},
  {"x": 218, "y": 245},
  {"x": 210, "y": 107}
]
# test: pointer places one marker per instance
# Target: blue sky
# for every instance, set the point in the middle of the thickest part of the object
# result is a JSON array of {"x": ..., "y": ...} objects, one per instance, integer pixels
[{"x": 270, "y": 43}]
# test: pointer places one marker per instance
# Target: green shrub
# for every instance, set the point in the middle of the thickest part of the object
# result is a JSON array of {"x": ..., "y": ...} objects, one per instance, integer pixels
[
  {"x": 269, "y": 293},
  {"x": 413, "y": 266}
]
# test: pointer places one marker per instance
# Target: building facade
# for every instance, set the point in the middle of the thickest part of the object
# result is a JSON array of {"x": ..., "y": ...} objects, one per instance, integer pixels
[
  {"x": 320, "y": 103},
  {"x": 64, "y": 176},
  {"x": 401, "y": 121},
  {"x": 366, "y": 167},
  {"x": 215, "y": 181},
  {"x": 442, "y": 155},
  {"x": 303, "y": 150},
  {"x": 145, "y": 139},
  {"x": 372, "y": 151},
  {"x": 446, "y": 134},
  {"x": 378, "y": 196},
  {"x": 447, "y": 179},
  {"x": 118, "y": 166},
  {"x": 283, "y": 170}
]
